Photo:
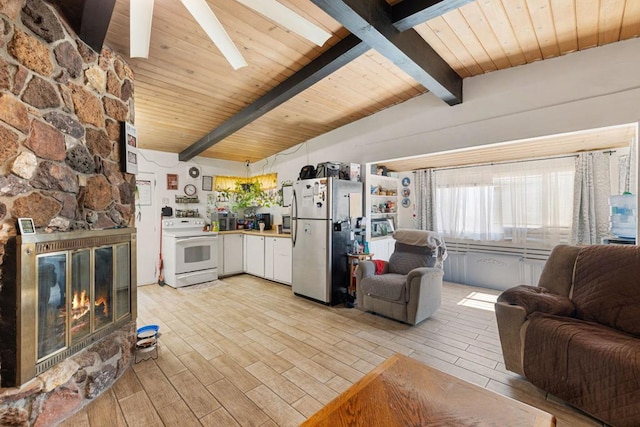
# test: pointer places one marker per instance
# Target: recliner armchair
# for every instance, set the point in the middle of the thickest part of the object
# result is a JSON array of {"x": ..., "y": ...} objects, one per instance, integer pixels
[{"x": 409, "y": 287}]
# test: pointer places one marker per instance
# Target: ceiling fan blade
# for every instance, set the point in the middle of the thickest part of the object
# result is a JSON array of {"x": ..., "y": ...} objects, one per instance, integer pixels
[
  {"x": 203, "y": 14},
  {"x": 287, "y": 18},
  {"x": 140, "y": 16}
]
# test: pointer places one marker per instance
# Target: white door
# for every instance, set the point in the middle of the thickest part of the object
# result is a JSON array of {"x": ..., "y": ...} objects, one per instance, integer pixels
[{"x": 148, "y": 229}]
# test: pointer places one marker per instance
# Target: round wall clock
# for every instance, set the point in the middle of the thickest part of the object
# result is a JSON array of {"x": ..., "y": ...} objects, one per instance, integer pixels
[
  {"x": 194, "y": 172},
  {"x": 190, "y": 190}
]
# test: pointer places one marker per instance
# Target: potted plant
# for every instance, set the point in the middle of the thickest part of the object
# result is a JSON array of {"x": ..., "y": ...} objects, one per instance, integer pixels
[{"x": 250, "y": 196}]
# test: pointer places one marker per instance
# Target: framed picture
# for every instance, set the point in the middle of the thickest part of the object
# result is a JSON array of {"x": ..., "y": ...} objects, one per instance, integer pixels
[
  {"x": 129, "y": 148},
  {"x": 172, "y": 181},
  {"x": 207, "y": 183},
  {"x": 26, "y": 226}
]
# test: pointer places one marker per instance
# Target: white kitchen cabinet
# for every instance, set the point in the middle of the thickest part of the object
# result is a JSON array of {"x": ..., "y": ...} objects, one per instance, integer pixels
[
  {"x": 254, "y": 255},
  {"x": 232, "y": 254},
  {"x": 278, "y": 259}
]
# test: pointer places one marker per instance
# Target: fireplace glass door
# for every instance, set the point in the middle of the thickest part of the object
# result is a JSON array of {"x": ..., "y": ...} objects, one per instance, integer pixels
[
  {"x": 123, "y": 280},
  {"x": 52, "y": 302},
  {"x": 80, "y": 295},
  {"x": 103, "y": 304}
]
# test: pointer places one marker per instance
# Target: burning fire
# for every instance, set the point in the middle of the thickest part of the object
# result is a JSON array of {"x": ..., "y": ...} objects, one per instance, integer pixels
[
  {"x": 102, "y": 300},
  {"x": 81, "y": 303}
]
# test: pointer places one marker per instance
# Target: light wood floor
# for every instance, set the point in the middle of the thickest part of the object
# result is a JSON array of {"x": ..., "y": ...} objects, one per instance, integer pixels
[{"x": 247, "y": 352}]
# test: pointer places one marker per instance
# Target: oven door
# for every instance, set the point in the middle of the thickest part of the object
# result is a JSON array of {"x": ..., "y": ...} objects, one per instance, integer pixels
[{"x": 196, "y": 253}]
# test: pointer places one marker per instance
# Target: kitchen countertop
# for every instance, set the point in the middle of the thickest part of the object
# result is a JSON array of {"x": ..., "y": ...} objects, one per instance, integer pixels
[{"x": 265, "y": 233}]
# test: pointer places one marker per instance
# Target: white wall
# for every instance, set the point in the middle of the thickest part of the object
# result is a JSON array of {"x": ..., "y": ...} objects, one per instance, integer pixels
[
  {"x": 589, "y": 89},
  {"x": 159, "y": 164}
]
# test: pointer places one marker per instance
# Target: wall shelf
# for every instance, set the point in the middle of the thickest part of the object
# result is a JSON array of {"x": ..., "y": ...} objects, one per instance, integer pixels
[{"x": 381, "y": 206}]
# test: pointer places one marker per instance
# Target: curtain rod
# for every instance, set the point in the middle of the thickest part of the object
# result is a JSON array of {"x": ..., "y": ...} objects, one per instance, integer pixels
[{"x": 564, "y": 156}]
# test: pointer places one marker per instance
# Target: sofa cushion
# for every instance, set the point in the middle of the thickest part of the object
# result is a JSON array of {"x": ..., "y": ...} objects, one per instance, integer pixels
[
  {"x": 606, "y": 286},
  {"x": 557, "y": 274},
  {"x": 533, "y": 298},
  {"x": 407, "y": 257},
  {"x": 589, "y": 365},
  {"x": 391, "y": 287}
]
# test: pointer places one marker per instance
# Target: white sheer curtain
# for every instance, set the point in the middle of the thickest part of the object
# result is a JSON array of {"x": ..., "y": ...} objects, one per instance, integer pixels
[
  {"x": 520, "y": 202},
  {"x": 591, "y": 199}
]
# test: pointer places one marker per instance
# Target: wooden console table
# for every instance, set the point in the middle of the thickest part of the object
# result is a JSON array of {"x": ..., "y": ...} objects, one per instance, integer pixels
[
  {"x": 354, "y": 259},
  {"x": 404, "y": 392}
]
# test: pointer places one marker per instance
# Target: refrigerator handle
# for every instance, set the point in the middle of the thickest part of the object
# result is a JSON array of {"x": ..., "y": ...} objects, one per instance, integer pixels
[{"x": 294, "y": 218}]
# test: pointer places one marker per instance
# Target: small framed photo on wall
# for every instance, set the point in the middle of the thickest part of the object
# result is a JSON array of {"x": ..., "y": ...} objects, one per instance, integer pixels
[
  {"x": 172, "y": 181},
  {"x": 207, "y": 183},
  {"x": 129, "y": 148}
]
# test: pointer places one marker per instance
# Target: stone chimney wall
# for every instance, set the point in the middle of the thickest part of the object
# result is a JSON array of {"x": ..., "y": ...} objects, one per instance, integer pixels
[
  {"x": 61, "y": 105},
  {"x": 60, "y": 109}
]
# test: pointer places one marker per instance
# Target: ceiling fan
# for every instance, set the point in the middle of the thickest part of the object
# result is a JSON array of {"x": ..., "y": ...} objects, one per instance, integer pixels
[{"x": 141, "y": 14}]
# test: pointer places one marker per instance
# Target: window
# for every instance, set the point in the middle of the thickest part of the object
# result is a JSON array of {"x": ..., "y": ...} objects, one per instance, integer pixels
[{"x": 519, "y": 202}]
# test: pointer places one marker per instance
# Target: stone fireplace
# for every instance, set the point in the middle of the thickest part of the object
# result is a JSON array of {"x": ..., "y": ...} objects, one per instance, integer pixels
[{"x": 62, "y": 106}]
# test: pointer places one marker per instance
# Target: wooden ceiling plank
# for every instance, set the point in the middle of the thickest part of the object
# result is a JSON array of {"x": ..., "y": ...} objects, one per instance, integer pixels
[
  {"x": 564, "y": 18},
  {"x": 555, "y": 145},
  {"x": 468, "y": 38},
  {"x": 159, "y": 82},
  {"x": 587, "y": 18},
  {"x": 478, "y": 22},
  {"x": 374, "y": 86},
  {"x": 524, "y": 30},
  {"x": 371, "y": 21},
  {"x": 504, "y": 28},
  {"x": 389, "y": 67},
  {"x": 631, "y": 20},
  {"x": 339, "y": 55},
  {"x": 194, "y": 68},
  {"x": 432, "y": 38},
  {"x": 180, "y": 79},
  {"x": 448, "y": 36},
  {"x": 611, "y": 14},
  {"x": 542, "y": 20},
  {"x": 410, "y": 13}
]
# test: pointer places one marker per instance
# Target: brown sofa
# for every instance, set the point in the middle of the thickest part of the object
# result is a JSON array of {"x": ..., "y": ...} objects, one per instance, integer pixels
[{"x": 577, "y": 334}]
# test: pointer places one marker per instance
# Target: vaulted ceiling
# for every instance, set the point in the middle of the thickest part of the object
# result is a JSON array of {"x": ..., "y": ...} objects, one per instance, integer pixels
[{"x": 190, "y": 101}]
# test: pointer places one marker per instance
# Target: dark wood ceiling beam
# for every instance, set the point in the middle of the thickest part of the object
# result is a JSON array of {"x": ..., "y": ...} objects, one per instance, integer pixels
[
  {"x": 371, "y": 21},
  {"x": 409, "y": 13},
  {"x": 88, "y": 18},
  {"x": 333, "y": 59}
]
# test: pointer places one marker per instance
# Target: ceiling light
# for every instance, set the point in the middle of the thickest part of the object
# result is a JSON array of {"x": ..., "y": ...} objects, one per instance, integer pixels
[
  {"x": 287, "y": 18},
  {"x": 203, "y": 14},
  {"x": 140, "y": 16}
]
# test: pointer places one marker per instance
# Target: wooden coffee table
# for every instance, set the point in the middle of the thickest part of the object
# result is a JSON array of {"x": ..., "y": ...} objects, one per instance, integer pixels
[{"x": 404, "y": 392}]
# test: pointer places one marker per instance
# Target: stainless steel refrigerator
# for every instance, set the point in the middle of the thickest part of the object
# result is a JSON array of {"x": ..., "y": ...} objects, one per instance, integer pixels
[{"x": 321, "y": 215}]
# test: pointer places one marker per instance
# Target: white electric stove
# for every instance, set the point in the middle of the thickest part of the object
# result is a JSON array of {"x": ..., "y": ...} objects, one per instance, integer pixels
[{"x": 189, "y": 254}]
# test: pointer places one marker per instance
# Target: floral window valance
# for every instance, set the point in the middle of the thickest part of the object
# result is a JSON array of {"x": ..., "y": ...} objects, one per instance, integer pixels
[{"x": 267, "y": 181}]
